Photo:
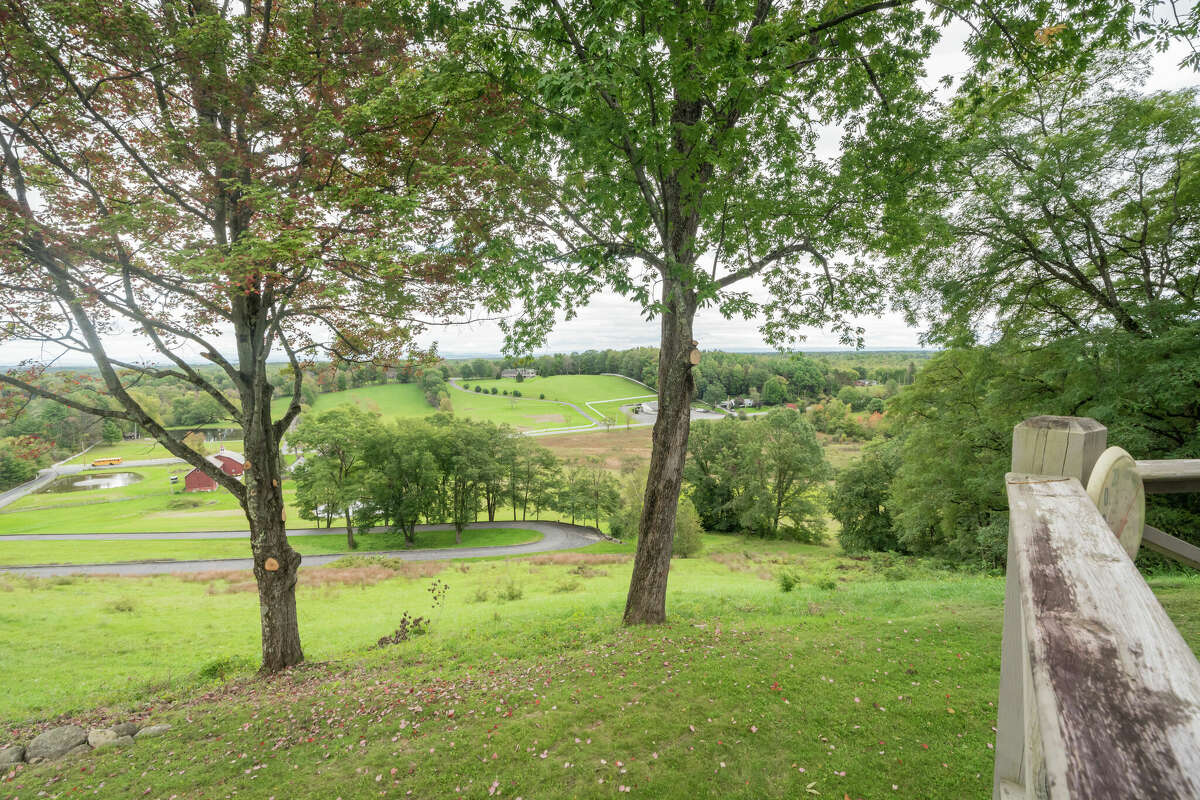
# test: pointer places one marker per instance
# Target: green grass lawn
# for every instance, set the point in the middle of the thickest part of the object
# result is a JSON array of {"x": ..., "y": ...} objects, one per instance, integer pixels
[
  {"x": 870, "y": 679},
  {"x": 868, "y": 675},
  {"x": 577, "y": 389},
  {"x": 523, "y": 413},
  {"x": 101, "y": 552},
  {"x": 140, "y": 449},
  {"x": 150, "y": 505},
  {"x": 405, "y": 401},
  {"x": 391, "y": 400}
]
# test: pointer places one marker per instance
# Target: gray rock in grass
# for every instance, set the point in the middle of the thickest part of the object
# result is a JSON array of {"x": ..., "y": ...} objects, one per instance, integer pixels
[
  {"x": 101, "y": 736},
  {"x": 152, "y": 730},
  {"x": 56, "y": 742}
]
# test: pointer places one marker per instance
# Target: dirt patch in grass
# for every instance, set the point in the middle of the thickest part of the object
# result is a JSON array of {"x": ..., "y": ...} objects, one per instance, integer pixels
[
  {"x": 363, "y": 574},
  {"x": 580, "y": 558},
  {"x": 739, "y": 562}
]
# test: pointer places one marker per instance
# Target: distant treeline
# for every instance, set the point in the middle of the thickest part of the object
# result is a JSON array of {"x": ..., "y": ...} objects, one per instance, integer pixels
[{"x": 35, "y": 432}]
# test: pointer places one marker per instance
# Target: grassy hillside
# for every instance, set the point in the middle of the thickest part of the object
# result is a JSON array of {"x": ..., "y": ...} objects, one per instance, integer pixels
[
  {"x": 151, "y": 504},
  {"x": 405, "y": 401},
  {"x": 578, "y": 389},
  {"x": 140, "y": 449},
  {"x": 871, "y": 679},
  {"x": 391, "y": 400}
]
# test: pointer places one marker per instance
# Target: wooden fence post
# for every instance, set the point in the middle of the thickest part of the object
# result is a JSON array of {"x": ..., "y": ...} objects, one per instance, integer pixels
[{"x": 1066, "y": 446}]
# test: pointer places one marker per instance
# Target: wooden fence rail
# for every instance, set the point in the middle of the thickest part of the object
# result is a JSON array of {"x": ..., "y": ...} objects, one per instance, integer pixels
[{"x": 1099, "y": 693}]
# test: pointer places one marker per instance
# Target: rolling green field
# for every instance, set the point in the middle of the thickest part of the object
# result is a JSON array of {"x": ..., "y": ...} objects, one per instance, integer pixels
[
  {"x": 152, "y": 504},
  {"x": 577, "y": 389},
  {"x": 104, "y": 552},
  {"x": 405, "y": 401},
  {"x": 141, "y": 449},
  {"x": 392, "y": 401},
  {"x": 870, "y": 679}
]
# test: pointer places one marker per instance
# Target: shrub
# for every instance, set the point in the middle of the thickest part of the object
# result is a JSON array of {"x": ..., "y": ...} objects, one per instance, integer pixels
[
  {"x": 788, "y": 580},
  {"x": 505, "y": 393},
  {"x": 828, "y": 584},
  {"x": 562, "y": 587},
  {"x": 478, "y": 388},
  {"x": 408, "y": 628},
  {"x": 511, "y": 592},
  {"x": 466, "y": 386},
  {"x": 495, "y": 390},
  {"x": 542, "y": 396},
  {"x": 687, "y": 530},
  {"x": 516, "y": 393},
  {"x": 480, "y": 596}
]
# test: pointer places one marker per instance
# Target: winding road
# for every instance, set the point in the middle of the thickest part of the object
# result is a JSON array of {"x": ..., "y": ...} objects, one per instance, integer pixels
[{"x": 555, "y": 536}]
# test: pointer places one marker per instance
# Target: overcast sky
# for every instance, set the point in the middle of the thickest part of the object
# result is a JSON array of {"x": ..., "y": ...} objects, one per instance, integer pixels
[{"x": 611, "y": 321}]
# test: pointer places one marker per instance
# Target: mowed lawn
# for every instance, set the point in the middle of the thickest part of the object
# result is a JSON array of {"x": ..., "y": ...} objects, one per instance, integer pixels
[
  {"x": 18, "y": 553},
  {"x": 871, "y": 679},
  {"x": 406, "y": 401},
  {"x": 150, "y": 505},
  {"x": 599, "y": 390}
]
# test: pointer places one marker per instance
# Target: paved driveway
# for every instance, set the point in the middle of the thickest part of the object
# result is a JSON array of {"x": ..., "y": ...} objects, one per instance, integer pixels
[{"x": 555, "y": 536}]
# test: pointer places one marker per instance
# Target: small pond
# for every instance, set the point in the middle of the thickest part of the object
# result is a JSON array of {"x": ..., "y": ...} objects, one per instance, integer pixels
[{"x": 82, "y": 483}]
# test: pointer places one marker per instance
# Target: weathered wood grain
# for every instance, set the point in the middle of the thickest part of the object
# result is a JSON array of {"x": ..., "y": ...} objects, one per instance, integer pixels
[
  {"x": 1170, "y": 476},
  {"x": 1111, "y": 692},
  {"x": 1058, "y": 446}
]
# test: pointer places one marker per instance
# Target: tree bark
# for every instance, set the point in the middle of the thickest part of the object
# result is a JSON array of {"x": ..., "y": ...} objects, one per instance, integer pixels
[
  {"x": 275, "y": 562},
  {"x": 647, "y": 600},
  {"x": 350, "y": 532}
]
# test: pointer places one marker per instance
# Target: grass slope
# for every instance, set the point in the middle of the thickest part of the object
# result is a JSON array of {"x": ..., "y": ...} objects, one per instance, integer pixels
[
  {"x": 870, "y": 679},
  {"x": 150, "y": 505},
  {"x": 139, "y": 449},
  {"x": 577, "y": 389},
  {"x": 103, "y": 552},
  {"x": 405, "y": 401}
]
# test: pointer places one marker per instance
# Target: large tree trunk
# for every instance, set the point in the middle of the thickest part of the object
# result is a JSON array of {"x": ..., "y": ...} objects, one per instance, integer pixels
[
  {"x": 647, "y": 600},
  {"x": 275, "y": 562},
  {"x": 350, "y": 532}
]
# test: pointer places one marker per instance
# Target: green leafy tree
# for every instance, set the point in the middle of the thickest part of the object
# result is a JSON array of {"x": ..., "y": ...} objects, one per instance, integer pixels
[
  {"x": 401, "y": 486},
  {"x": 860, "y": 501},
  {"x": 254, "y": 172},
  {"x": 787, "y": 470},
  {"x": 673, "y": 154},
  {"x": 1076, "y": 209},
  {"x": 110, "y": 432},
  {"x": 596, "y": 489},
  {"x": 718, "y": 455},
  {"x": 774, "y": 392},
  {"x": 335, "y": 444}
]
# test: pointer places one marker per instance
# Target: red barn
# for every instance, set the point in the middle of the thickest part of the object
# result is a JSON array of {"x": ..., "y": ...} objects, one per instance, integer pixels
[{"x": 229, "y": 462}]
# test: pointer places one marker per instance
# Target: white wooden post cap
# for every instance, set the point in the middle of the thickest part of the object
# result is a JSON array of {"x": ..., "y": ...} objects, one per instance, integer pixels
[
  {"x": 1050, "y": 445},
  {"x": 1116, "y": 488}
]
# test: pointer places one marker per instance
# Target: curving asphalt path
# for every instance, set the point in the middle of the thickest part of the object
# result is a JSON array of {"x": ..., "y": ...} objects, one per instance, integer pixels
[{"x": 555, "y": 536}]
